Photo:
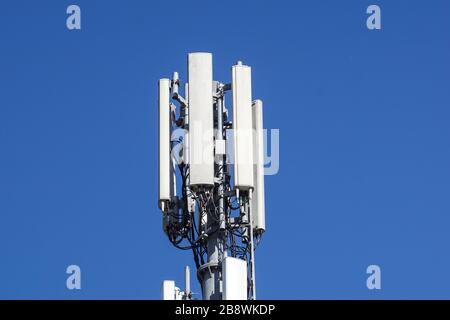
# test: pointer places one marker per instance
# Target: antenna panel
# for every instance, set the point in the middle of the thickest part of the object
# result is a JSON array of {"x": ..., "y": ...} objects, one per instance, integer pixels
[
  {"x": 201, "y": 130},
  {"x": 164, "y": 164},
  {"x": 257, "y": 204},
  {"x": 242, "y": 126},
  {"x": 168, "y": 290},
  {"x": 234, "y": 279}
]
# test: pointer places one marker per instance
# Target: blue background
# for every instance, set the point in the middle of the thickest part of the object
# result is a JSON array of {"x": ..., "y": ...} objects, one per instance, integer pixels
[{"x": 364, "y": 143}]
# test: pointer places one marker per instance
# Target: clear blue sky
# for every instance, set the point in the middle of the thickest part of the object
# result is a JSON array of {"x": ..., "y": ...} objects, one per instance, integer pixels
[{"x": 364, "y": 128}]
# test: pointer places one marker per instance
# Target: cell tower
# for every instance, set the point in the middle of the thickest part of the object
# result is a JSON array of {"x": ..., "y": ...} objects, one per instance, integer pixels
[{"x": 217, "y": 209}]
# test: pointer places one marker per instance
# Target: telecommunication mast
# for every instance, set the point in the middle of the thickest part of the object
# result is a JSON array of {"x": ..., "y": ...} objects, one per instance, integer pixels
[{"x": 211, "y": 177}]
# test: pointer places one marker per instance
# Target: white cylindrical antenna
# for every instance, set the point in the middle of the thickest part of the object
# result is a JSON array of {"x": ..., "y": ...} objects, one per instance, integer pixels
[
  {"x": 242, "y": 126},
  {"x": 258, "y": 205},
  {"x": 201, "y": 124},
  {"x": 164, "y": 164},
  {"x": 187, "y": 279}
]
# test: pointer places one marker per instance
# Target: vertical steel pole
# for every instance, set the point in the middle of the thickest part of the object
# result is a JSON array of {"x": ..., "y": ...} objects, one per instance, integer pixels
[
  {"x": 211, "y": 271},
  {"x": 252, "y": 247}
]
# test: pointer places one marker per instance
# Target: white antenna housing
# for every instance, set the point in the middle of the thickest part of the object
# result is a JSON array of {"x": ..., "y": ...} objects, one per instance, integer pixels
[
  {"x": 234, "y": 279},
  {"x": 258, "y": 205},
  {"x": 201, "y": 126},
  {"x": 168, "y": 290},
  {"x": 242, "y": 126},
  {"x": 164, "y": 164}
]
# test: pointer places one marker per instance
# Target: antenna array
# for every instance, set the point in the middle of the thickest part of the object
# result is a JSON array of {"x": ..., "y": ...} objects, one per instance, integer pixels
[{"x": 217, "y": 209}]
